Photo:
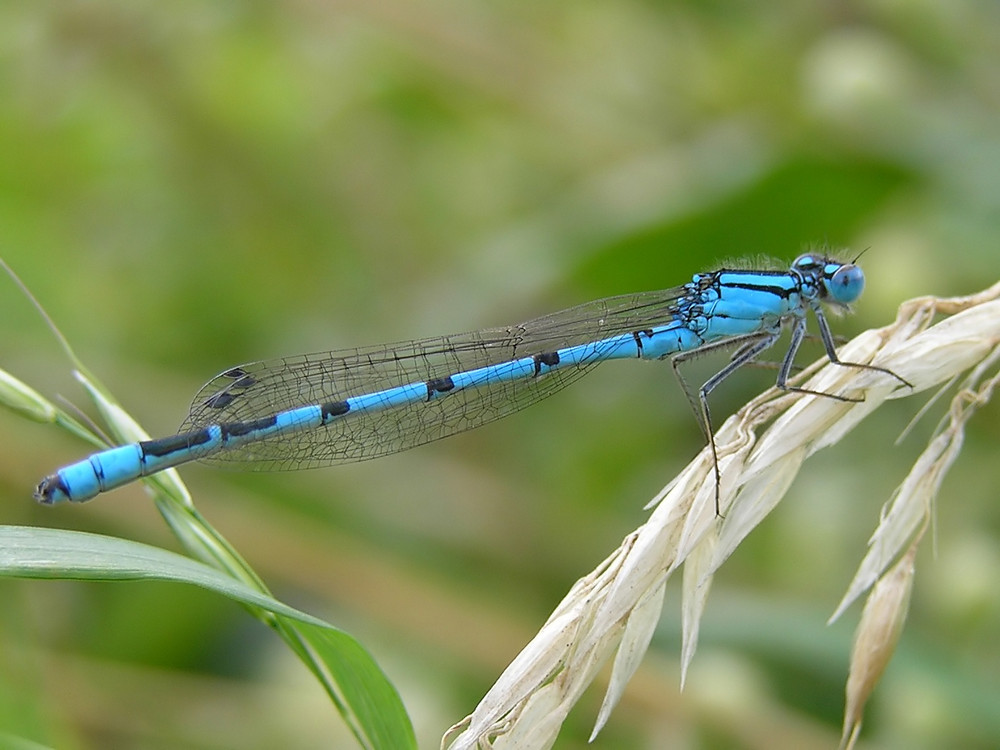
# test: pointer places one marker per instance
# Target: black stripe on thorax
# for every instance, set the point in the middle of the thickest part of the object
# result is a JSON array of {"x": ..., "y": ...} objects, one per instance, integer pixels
[{"x": 778, "y": 291}]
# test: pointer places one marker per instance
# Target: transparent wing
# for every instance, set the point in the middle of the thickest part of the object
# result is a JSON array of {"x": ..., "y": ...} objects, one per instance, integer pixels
[{"x": 261, "y": 389}]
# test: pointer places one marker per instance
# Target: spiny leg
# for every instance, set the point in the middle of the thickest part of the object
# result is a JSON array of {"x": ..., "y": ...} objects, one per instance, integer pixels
[
  {"x": 751, "y": 347},
  {"x": 798, "y": 334}
]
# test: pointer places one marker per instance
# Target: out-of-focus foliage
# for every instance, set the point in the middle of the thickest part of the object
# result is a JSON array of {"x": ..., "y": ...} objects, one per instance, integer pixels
[{"x": 189, "y": 185}]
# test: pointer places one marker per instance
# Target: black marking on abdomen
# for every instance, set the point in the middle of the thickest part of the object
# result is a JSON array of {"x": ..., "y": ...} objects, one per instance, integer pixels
[
  {"x": 236, "y": 429},
  {"x": 439, "y": 385},
  {"x": 166, "y": 446},
  {"x": 647, "y": 332},
  {"x": 548, "y": 359},
  {"x": 48, "y": 488},
  {"x": 332, "y": 409}
]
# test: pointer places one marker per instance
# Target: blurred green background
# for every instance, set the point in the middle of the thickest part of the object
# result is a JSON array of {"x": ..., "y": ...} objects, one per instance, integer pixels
[{"x": 191, "y": 185}]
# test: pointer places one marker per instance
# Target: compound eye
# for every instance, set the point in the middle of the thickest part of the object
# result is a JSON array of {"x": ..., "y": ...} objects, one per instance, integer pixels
[{"x": 846, "y": 284}]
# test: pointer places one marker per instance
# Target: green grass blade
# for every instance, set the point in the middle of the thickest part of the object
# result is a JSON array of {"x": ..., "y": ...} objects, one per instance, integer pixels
[{"x": 370, "y": 704}]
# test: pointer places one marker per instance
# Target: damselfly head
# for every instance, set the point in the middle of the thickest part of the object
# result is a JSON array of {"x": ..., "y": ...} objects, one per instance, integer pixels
[{"x": 840, "y": 283}]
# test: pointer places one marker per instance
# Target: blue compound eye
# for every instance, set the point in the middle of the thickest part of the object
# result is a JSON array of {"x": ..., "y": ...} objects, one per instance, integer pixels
[{"x": 846, "y": 284}]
